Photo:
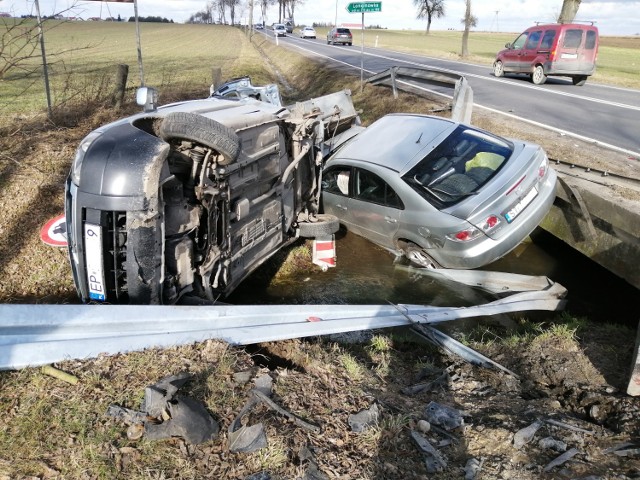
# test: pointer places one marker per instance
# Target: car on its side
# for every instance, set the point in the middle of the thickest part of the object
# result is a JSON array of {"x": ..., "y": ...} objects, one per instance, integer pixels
[
  {"x": 307, "y": 32},
  {"x": 558, "y": 49},
  {"x": 279, "y": 30},
  {"x": 443, "y": 193},
  {"x": 339, "y": 35},
  {"x": 180, "y": 203}
]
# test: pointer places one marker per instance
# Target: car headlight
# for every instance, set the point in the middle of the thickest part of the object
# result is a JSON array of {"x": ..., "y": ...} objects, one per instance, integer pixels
[{"x": 76, "y": 166}]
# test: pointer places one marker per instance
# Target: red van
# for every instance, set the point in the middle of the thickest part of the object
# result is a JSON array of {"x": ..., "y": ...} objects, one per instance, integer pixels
[{"x": 558, "y": 49}]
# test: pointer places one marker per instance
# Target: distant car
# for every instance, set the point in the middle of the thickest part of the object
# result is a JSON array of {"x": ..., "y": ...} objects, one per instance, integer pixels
[
  {"x": 279, "y": 30},
  {"x": 307, "y": 32},
  {"x": 556, "y": 49},
  {"x": 259, "y": 26},
  {"x": 442, "y": 193},
  {"x": 339, "y": 35}
]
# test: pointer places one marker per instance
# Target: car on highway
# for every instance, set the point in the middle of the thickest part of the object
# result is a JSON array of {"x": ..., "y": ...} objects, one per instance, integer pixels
[
  {"x": 443, "y": 193},
  {"x": 279, "y": 30},
  {"x": 339, "y": 35},
  {"x": 558, "y": 49},
  {"x": 179, "y": 203},
  {"x": 307, "y": 32}
]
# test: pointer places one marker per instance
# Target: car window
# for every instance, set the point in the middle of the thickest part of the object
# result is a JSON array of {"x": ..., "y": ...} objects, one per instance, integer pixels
[
  {"x": 534, "y": 38},
  {"x": 548, "y": 38},
  {"x": 590, "y": 43},
  {"x": 519, "y": 42},
  {"x": 572, "y": 38},
  {"x": 336, "y": 180},
  {"x": 343, "y": 30},
  {"x": 459, "y": 166},
  {"x": 371, "y": 188}
]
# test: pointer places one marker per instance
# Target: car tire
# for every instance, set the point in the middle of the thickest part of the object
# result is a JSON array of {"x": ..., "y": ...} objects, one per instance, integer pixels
[
  {"x": 579, "y": 80},
  {"x": 328, "y": 42},
  {"x": 538, "y": 76},
  {"x": 418, "y": 257},
  {"x": 349, "y": 44},
  {"x": 203, "y": 130},
  {"x": 324, "y": 225},
  {"x": 498, "y": 69}
]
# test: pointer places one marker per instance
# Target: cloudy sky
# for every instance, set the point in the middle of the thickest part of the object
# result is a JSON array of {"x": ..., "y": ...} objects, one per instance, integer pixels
[{"x": 613, "y": 17}]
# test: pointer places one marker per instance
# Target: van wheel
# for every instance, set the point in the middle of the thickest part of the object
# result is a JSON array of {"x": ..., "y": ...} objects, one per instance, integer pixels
[
  {"x": 498, "y": 69},
  {"x": 579, "y": 80},
  {"x": 203, "y": 130},
  {"x": 538, "y": 77},
  {"x": 325, "y": 224}
]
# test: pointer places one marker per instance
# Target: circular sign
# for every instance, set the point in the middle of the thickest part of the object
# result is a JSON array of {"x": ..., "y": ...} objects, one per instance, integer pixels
[{"x": 54, "y": 232}]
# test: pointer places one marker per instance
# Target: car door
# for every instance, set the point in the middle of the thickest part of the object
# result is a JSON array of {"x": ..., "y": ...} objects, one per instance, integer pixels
[
  {"x": 511, "y": 56},
  {"x": 375, "y": 208},
  {"x": 529, "y": 52},
  {"x": 336, "y": 183}
]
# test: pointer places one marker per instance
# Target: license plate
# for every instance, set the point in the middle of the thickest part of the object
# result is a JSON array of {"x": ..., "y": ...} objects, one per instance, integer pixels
[
  {"x": 520, "y": 206},
  {"x": 93, "y": 261}
]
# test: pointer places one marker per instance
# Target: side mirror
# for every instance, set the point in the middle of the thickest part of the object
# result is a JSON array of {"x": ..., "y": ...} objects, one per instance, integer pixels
[
  {"x": 147, "y": 98},
  {"x": 507, "y": 45}
]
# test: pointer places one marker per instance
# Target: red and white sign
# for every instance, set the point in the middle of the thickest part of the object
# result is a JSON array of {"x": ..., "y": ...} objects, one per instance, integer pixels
[
  {"x": 324, "y": 253},
  {"x": 54, "y": 232}
]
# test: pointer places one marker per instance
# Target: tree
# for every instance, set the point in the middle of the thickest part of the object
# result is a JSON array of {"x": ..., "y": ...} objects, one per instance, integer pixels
[
  {"x": 469, "y": 21},
  {"x": 569, "y": 11},
  {"x": 264, "y": 5},
  {"x": 429, "y": 9},
  {"x": 291, "y": 6}
]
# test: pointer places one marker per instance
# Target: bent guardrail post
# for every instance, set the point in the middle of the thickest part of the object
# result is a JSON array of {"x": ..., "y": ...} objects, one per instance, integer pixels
[{"x": 410, "y": 79}]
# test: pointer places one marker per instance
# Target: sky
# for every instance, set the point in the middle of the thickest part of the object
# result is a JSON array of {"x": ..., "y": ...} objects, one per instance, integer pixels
[{"x": 613, "y": 17}]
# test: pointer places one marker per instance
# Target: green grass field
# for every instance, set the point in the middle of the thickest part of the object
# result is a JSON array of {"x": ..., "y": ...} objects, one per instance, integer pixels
[{"x": 83, "y": 57}]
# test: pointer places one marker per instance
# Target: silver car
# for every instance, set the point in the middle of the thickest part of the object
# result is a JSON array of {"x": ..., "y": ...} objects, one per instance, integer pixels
[{"x": 443, "y": 193}]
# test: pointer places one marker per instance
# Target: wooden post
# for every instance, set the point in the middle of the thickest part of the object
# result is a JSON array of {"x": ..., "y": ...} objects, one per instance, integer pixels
[
  {"x": 216, "y": 73},
  {"x": 120, "y": 85}
]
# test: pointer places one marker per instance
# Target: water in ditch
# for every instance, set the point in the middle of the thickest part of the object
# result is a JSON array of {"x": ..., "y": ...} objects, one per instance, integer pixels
[{"x": 367, "y": 274}]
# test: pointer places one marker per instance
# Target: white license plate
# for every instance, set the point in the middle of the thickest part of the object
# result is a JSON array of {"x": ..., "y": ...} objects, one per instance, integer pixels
[
  {"x": 520, "y": 206},
  {"x": 93, "y": 261}
]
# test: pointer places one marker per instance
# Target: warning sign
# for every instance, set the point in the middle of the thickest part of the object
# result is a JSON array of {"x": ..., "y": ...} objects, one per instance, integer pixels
[{"x": 54, "y": 232}]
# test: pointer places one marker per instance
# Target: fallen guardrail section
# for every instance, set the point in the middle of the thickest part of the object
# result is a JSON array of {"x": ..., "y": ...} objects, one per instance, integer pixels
[
  {"x": 412, "y": 79},
  {"x": 32, "y": 335}
]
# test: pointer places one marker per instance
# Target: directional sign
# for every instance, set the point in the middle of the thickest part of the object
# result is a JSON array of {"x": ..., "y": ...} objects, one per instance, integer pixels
[{"x": 362, "y": 7}]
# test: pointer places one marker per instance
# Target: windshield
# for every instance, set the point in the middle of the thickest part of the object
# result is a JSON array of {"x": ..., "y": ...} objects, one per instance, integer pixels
[{"x": 459, "y": 166}]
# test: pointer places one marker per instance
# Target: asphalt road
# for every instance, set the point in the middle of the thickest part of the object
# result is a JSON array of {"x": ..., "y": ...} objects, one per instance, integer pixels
[{"x": 603, "y": 114}]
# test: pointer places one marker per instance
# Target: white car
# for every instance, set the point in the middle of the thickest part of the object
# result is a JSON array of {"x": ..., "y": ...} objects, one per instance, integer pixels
[
  {"x": 307, "y": 32},
  {"x": 279, "y": 30}
]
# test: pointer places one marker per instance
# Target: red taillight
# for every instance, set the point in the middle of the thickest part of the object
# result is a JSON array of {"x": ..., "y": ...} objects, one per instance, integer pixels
[
  {"x": 465, "y": 235},
  {"x": 552, "y": 55},
  {"x": 491, "y": 222}
]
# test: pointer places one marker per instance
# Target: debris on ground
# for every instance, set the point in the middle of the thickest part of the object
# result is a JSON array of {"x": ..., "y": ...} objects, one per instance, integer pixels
[{"x": 361, "y": 421}]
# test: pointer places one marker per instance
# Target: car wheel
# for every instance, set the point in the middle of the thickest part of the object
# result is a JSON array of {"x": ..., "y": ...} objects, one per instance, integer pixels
[
  {"x": 203, "y": 130},
  {"x": 349, "y": 44},
  {"x": 498, "y": 69},
  {"x": 418, "y": 257},
  {"x": 538, "y": 77},
  {"x": 325, "y": 224},
  {"x": 579, "y": 80},
  {"x": 328, "y": 42}
]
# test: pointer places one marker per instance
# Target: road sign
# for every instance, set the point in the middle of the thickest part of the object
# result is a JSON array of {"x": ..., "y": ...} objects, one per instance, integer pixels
[{"x": 362, "y": 7}]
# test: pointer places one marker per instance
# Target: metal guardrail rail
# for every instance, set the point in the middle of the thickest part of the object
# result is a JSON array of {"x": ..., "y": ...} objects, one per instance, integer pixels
[{"x": 411, "y": 79}]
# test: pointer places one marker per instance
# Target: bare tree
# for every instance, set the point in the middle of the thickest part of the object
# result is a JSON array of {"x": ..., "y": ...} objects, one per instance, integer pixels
[
  {"x": 291, "y": 6},
  {"x": 469, "y": 21},
  {"x": 264, "y": 5},
  {"x": 569, "y": 11},
  {"x": 232, "y": 5},
  {"x": 429, "y": 9}
]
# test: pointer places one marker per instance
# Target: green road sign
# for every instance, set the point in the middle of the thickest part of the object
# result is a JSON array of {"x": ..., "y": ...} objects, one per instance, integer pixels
[{"x": 362, "y": 7}]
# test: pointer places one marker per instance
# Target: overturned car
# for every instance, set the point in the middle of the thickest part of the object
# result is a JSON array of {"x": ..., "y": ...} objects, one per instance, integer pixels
[{"x": 178, "y": 204}]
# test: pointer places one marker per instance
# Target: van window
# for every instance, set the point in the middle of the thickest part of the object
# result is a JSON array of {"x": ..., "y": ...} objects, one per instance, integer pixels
[
  {"x": 572, "y": 38},
  {"x": 519, "y": 42},
  {"x": 548, "y": 38},
  {"x": 534, "y": 39},
  {"x": 590, "y": 44}
]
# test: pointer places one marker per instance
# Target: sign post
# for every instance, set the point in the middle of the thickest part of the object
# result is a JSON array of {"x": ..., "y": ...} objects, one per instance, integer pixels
[{"x": 362, "y": 7}]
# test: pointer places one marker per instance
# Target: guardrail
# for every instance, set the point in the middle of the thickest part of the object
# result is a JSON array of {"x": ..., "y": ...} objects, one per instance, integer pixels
[{"x": 405, "y": 78}]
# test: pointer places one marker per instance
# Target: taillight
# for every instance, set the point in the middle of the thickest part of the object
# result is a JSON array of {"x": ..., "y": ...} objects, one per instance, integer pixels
[
  {"x": 552, "y": 55},
  {"x": 490, "y": 223},
  {"x": 542, "y": 169},
  {"x": 465, "y": 235}
]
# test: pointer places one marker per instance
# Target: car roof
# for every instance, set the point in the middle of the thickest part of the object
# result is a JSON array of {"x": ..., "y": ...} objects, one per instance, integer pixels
[{"x": 397, "y": 141}]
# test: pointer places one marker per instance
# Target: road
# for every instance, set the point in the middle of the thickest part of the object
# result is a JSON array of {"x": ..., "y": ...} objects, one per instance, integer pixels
[{"x": 602, "y": 114}]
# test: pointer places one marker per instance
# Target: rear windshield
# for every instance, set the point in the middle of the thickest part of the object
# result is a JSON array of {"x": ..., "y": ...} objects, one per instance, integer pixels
[
  {"x": 590, "y": 43},
  {"x": 572, "y": 38},
  {"x": 459, "y": 166},
  {"x": 343, "y": 30}
]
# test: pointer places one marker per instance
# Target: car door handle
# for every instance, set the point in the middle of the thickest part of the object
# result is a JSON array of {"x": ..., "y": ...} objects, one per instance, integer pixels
[
  {"x": 390, "y": 220},
  {"x": 341, "y": 207}
]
